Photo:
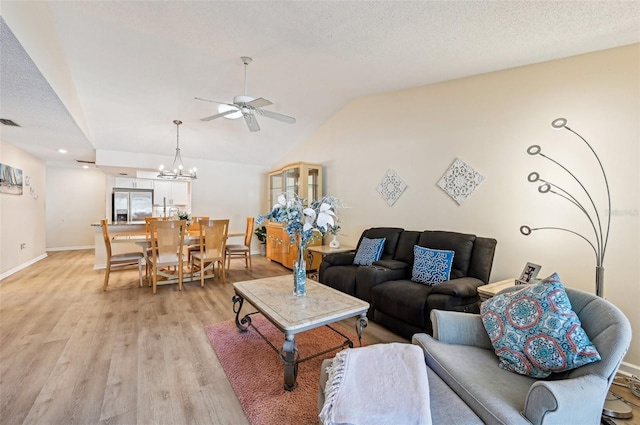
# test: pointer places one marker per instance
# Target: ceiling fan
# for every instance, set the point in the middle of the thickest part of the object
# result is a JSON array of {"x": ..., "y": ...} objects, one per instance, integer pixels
[{"x": 246, "y": 106}]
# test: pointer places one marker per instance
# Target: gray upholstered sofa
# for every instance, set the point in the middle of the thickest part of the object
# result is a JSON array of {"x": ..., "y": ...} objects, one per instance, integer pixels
[
  {"x": 398, "y": 303},
  {"x": 468, "y": 387}
]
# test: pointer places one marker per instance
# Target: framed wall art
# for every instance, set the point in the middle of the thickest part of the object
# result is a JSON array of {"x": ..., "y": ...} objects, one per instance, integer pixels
[{"x": 10, "y": 180}]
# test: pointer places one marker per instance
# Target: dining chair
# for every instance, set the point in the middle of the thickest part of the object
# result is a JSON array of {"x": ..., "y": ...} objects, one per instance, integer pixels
[
  {"x": 242, "y": 251},
  {"x": 125, "y": 259},
  {"x": 147, "y": 230},
  {"x": 213, "y": 239},
  {"x": 195, "y": 228},
  {"x": 167, "y": 240},
  {"x": 147, "y": 223}
]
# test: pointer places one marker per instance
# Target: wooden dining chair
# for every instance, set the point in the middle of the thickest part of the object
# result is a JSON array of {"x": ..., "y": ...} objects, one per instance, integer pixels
[
  {"x": 242, "y": 251},
  {"x": 167, "y": 241},
  {"x": 213, "y": 239},
  {"x": 194, "y": 228},
  {"x": 147, "y": 223},
  {"x": 147, "y": 230},
  {"x": 125, "y": 259}
]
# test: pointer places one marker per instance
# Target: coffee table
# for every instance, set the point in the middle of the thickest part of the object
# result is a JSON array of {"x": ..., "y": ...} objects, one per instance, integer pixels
[{"x": 273, "y": 298}]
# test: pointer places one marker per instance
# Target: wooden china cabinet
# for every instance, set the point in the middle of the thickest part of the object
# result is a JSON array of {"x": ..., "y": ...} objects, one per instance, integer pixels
[{"x": 302, "y": 179}]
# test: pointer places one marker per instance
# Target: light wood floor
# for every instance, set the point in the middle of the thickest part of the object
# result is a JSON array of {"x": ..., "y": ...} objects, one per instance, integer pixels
[{"x": 73, "y": 354}]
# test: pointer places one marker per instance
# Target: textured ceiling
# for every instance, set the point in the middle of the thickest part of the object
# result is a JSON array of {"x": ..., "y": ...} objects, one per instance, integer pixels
[{"x": 134, "y": 67}]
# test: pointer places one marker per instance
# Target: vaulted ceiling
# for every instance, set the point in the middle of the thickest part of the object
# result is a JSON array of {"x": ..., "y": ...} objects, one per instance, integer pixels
[{"x": 101, "y": 75}]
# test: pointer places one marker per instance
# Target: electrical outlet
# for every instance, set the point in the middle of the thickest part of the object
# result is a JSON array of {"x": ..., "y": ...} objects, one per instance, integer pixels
[{"x": 23, "y": 245}]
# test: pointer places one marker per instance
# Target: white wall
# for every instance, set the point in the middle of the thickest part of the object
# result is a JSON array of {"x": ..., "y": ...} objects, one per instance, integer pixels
[
  {"x": 228, "y": 190},
  {"x": 75, "y": 200},
  {"x": 22, "y": 217},
  {"x": 488, "y": 121}
]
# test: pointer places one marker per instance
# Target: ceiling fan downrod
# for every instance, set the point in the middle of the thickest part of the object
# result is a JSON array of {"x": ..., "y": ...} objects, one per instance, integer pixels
[{"x": 246, "y": 60}]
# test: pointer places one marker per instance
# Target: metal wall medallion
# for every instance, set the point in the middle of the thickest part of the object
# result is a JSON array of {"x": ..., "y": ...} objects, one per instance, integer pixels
[
  {"x": 460, "y": 180},
  {"x": 391, "y": 187}
]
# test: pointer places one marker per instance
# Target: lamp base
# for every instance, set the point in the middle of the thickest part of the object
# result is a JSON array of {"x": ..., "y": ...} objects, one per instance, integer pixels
[{"x": 616, "y": 408}]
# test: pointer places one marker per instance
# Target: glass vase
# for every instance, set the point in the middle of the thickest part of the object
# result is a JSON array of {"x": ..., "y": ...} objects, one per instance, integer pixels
[{"x": 300, "y": 274}]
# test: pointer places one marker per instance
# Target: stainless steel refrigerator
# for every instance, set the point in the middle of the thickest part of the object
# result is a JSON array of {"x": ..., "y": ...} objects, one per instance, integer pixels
[{"x": 132, "y": 205}]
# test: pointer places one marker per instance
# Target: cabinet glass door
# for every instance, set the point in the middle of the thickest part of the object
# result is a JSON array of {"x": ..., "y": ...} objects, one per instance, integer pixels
[
  {"x": 292, "y": 181},
  {"x": 313, "y": 185},
  {"x": 275, "y": 188}
]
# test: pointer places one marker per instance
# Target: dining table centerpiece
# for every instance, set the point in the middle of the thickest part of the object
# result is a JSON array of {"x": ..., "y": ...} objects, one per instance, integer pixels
[
  {"x": 303, "y": 223},
  {"x": 184, "y": 215}
]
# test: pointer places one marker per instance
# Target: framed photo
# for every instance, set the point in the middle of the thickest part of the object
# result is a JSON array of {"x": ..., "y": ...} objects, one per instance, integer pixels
[{"x": 529, "y": 274}]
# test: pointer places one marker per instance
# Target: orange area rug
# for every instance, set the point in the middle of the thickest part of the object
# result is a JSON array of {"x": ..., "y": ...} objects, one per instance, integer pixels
[{"x": 257, "y": 374}]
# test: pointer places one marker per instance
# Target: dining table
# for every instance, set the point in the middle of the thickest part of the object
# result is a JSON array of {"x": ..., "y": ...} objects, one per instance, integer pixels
[{"x": 143, "y": 240}]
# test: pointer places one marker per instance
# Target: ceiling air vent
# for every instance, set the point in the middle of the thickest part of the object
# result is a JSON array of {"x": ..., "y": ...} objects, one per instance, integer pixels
[
  {"x": 82, "y": 161},
  {"x": 6, "y": 121}
]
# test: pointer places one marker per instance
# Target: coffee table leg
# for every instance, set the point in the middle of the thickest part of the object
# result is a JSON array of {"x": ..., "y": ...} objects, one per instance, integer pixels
[
  {"x": 361, "y": 323},
  {"x": 289, "y": 356},
  {"x": 237, "y": 306}
]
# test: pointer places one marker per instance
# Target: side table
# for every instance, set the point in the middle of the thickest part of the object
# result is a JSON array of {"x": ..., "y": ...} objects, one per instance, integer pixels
[
  {"x": 491, "y": 289},
  {"x": 323, "y": 250}
]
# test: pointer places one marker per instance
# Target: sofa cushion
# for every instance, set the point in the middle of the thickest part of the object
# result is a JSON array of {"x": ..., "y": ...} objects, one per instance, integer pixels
[
  {"x": 461, "y": 243},
  {"x": 404, "y": 251},
  {"x": 369, "y": 251},
  {"x": 391, "y": 234},
  {"x": 535, "y": 332},
  {"x": 431, "y": 266},
  {"x": 495, "y": 395}
]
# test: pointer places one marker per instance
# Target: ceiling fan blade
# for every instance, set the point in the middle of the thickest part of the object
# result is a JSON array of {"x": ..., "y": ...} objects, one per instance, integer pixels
[
  {"x": 220, "y": 115},
  {"x": 252, "y": 123},
  {"x": 259, "y": 102},
  {"x": 213, "y": 101},
  {"x": 276, "y": 116}
]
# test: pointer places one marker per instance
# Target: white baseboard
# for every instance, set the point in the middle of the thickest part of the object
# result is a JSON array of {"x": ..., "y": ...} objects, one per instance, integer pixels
[
  {"x": 629, "y": 369},
  {"x": 22, "y": 266},
  {"x": 70, "y": 248}
]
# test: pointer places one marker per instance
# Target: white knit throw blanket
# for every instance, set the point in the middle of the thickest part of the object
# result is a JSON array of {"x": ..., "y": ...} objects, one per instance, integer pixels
[{"x": 377, "y": 385}]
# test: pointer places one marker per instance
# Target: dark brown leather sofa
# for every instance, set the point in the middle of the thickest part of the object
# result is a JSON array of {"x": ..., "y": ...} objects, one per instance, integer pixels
[{"x": 398, "y": 303}]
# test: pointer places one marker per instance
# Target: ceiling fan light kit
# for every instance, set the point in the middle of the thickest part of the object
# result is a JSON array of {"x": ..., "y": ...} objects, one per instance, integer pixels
[
  {"x": 246, "y": 106},
  {"x": 177, "y": 172}
]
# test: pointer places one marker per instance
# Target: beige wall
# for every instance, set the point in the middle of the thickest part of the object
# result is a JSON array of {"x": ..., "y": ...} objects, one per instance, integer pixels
[
  {"x": 228, "y": 190},
  {"x": 22, "y": 217},
  {"x": 488, "y": 121},
  {"x": 75, "y": 199}
]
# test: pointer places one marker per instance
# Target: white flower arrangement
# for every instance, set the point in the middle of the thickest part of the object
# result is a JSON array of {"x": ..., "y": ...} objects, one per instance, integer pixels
[{"x": 304, "y": 223}]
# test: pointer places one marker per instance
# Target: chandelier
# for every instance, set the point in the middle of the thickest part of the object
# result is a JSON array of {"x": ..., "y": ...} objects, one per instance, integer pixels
[{"x": 177, "y": 172}]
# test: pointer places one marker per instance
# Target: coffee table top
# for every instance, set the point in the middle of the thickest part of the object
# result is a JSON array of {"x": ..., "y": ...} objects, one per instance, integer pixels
[{"x": 273, "y": 297}]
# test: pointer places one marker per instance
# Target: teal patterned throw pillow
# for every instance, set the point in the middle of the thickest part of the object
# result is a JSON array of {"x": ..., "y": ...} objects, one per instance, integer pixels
[
  {"x": 370, "y": 250},
  {"x": 431, "y": 266},
  {"x": 535, "y": 332}
]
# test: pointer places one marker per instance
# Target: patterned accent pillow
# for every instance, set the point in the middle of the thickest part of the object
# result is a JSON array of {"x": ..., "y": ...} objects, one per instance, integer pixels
[
  {"x": 370, "y": 250},
  {"x": 535, "y": 332},
  {"x": 431, "y": 266}
]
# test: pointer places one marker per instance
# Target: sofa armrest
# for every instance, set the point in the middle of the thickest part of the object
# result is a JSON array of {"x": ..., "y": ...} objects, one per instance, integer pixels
[
  {"x": 392, "y": 264},
  {"x": 554, "y": 402},
  {"x": 453, "y": 327},
  {"x": 463, "y": 287},
  {"x": 340, "y": 258}
]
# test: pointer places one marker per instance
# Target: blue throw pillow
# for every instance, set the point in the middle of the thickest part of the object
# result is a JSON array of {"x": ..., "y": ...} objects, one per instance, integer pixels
[
  {"x": 431, "y": 266},
  {"x": 535, "y": 332},
  {"x": 370, "y": 250}
]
